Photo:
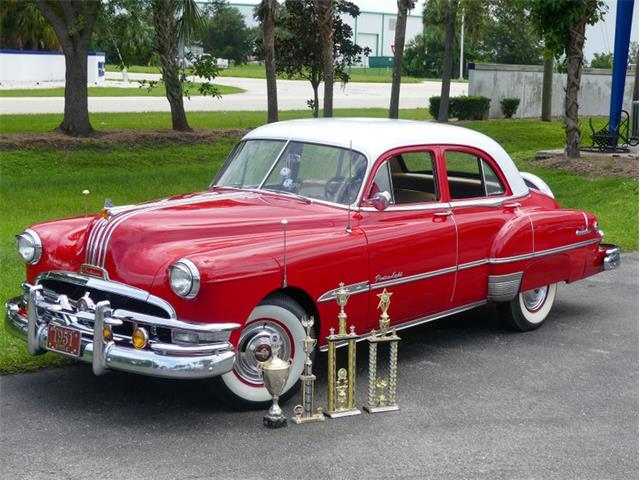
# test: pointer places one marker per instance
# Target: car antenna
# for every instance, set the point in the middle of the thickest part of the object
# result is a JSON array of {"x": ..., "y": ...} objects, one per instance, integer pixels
[
  {"x": 284, "y": 223},
  {"x": 348, "y": 229}
]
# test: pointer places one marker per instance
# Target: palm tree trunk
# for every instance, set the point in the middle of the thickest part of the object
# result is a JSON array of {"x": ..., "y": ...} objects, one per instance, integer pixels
[
  {"x": 73, "y": 24},
  {"x": 269, "y": 11},
  {"x": 401, "y": 29},
  {"x": 325, "y": 19},
  {"x": 547, "y": 87},
  {"x": 575, "y": 56},
  {"x": 164, "y": 21},
  {"x": 450, "y": 9}
]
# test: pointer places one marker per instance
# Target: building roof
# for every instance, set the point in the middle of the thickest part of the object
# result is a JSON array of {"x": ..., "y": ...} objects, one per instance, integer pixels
[{"x": 375, "y": 136}]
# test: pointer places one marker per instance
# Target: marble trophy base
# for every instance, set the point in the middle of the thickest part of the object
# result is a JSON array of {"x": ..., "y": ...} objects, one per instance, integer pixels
[
  {"x": 274, "y": 421},
  {"x": 388, "y": 408},
  {"x": 299, "y": 419},
  {"x": 343, "y": 413}
]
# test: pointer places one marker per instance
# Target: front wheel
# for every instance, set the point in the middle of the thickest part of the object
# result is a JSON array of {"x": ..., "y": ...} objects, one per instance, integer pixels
[
  {"x": 242, "y": 388},
  {"x": 529, "y": 309}
]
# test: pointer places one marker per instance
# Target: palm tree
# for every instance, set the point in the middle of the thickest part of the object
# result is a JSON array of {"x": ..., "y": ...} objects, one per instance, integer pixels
[
  {"x": 267, "y": 13},
  {"x": 401, "y": 29},
  {"x": 23, "y": 27},
  {"x": 325, "y": 19},
  {"x": 450, "y": 9},
  {"x": 175, "y": 22}
]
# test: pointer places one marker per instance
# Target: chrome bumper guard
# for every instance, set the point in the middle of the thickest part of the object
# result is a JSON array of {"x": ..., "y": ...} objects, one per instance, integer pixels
[
  {"x": 612, "y": 257},
  {"x": 167, "y": 360}
]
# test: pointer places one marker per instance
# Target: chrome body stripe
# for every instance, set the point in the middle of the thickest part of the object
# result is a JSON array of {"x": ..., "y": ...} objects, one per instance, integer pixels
[
  {"x": 413, "y": 278},
  {"x": 418, "y": 321},
  {"x": 353, "y": 289},
  {"x": 475, "y": 263},
  {"x": 542, "y": 253}
]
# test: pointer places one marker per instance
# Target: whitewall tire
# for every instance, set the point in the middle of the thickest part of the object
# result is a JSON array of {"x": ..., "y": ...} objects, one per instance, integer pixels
[
  {"x": 530, "y": 308},
  {"x": 242, "y": 388}
]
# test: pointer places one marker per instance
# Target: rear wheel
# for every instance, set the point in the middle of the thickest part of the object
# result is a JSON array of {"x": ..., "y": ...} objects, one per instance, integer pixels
[
  {"x": 242, "y": 388},
  {"x": 530, "y": 308}
]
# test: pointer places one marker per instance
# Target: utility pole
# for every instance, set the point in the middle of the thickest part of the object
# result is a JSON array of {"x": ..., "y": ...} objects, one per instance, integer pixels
[{"x": 462, "y": 49}]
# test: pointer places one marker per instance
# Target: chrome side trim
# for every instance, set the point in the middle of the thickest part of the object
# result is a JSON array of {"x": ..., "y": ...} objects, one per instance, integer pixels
[
  {"x": 504, "y": 288},
  {"x": 487, "y": 202},
  {"x": 419, "y": 321},
  {"x": 475, "y": 263},
  {"x": 353, "y": 289},
  {"x": 413, "y": 278},
  {"x": 542, "y": 253}
]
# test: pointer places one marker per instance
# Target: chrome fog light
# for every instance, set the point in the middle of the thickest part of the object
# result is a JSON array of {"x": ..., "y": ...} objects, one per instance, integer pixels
[
  {"x": 184, "y": 278},
  {"x": 181, "y": 336},
  {"x": 29, "y": 246}
]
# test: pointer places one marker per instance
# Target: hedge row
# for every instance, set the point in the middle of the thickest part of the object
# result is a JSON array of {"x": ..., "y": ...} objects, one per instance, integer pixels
[{"x": 473, "y": 107}]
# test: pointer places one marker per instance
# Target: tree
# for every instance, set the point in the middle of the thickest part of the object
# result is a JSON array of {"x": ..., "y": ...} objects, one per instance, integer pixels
[
  {"x": 226, "y": 35},
  {"x": 562, "y": 23},
  {"x": 325, "y": 20},
  {"x": 175, "y": 22},
  {"x": 73, "y": 22},
  {"x": 299, "y": 50},
  {"x": 23, "y": 27},
  {"x": 267, "y": 11},
  {"x": 602, "y": 60},
  {"x": 398, "y": 55},
  {"x": 450, "y": 8},
  {"x": 125, "y": 32}
]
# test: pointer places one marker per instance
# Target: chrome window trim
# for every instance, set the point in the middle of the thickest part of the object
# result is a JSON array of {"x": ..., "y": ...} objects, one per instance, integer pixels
[
  {"x": 108, "y": 286},
  {"x": 486, "y": 202}
]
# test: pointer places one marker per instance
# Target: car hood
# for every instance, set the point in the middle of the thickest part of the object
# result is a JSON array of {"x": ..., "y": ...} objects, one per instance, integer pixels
[{"x": 133, "y": 243}]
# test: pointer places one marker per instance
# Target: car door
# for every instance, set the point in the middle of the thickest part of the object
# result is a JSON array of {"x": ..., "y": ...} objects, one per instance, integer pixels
[
  {"x": 480, "y": 199},
  {"x": 411, "y": 243}
]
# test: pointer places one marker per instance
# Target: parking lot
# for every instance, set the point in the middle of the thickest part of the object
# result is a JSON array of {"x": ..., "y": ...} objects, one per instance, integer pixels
[{"x": 477, "y": 401}]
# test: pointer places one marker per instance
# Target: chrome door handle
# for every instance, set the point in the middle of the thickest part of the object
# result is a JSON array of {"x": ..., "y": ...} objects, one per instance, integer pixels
[
  {"x": 511, "y": 205},
  {"x": 448, "y": 213}
]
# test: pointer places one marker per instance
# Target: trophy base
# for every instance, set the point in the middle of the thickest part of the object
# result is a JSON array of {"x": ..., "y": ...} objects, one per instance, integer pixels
[
  {"x": 343, "y": 413},
  {"x": 388, "y": 408},
  {"x": 274, "y": 422},
  {"x": 318, "y": 417}
]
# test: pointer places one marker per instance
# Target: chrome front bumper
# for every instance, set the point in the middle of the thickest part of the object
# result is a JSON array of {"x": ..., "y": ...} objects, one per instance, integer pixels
[
  {"x": 611, "y": 257},
  {"x": 167, "y": 360}
]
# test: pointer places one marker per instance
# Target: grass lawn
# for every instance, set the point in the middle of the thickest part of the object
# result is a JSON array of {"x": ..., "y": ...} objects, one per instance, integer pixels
[
  {"x": 157, "y": 91},
  {"x": 358, "y": 74},
  {"x": 38, "y": 184}
]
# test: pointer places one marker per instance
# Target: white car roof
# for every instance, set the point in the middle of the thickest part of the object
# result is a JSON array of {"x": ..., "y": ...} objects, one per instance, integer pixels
[{"x": 375, "y": 136}]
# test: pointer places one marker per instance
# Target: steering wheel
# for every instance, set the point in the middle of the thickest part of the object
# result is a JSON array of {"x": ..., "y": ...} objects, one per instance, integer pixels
[{"x": 332, "y": 188}]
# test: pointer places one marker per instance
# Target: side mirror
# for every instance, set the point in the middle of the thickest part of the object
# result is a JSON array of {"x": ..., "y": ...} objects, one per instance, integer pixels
[{"x": 381, "y": 200}]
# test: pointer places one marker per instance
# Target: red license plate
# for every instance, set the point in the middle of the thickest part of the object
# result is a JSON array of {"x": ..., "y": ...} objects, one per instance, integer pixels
[{"x": 64, "y": 340}]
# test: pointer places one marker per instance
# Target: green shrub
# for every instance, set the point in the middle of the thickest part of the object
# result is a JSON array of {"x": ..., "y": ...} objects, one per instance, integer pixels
[
  {"x": 434, "y": 107},
  {"x": 469, "y": 108},
  {"x": 509, "y": 106}
]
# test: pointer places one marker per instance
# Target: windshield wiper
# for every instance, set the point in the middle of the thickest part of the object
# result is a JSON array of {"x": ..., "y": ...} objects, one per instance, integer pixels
[{"x": 290, "y": 194}]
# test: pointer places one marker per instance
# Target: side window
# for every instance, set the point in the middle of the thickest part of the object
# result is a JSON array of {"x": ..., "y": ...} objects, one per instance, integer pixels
[
  {"x": 413, "y": 178},
  {"x": 470, "y": 176}
]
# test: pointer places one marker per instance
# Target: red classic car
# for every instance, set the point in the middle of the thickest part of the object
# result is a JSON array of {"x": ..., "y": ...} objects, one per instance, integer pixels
[{"x": 194, "y": 286}]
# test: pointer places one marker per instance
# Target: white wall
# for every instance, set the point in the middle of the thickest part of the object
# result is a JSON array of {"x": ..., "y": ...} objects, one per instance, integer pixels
[
  {"x": 33, "y": 67},
  {"x": 525, "y": 82}
]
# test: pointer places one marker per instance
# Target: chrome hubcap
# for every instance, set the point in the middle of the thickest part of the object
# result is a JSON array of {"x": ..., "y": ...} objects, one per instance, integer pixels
[
  {"x": 534, "y": 299},
  {"x": 254, "y": 347}
]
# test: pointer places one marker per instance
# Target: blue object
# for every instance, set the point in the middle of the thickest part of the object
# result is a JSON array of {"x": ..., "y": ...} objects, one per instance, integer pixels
[{"x": 624, "y": 16}]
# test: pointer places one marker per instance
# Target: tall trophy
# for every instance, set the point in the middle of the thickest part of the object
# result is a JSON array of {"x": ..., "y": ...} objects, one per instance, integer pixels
[
  {"x": 305, "y": 413},
  {"x": 341, "y": 388},
  {"x": 382, "y": 391},
  {"x": 275, "y": 373}
]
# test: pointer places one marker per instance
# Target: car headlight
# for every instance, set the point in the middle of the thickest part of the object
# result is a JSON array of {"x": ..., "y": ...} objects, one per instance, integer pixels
[
  {"x": 184, "y": 278},
  {"x": 29, "y": 246}
]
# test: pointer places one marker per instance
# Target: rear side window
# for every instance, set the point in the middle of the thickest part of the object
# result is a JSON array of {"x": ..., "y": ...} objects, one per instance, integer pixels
[{"x": 469, "y": 176}]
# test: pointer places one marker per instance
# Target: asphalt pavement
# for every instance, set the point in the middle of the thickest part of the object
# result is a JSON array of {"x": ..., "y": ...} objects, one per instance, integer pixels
[
  {"x": 477, "y": 401},
  {"x": 292, "y": 95}
]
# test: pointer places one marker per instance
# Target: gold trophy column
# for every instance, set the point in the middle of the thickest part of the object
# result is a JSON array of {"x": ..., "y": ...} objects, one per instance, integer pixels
[{"x": 341, "y": 385}]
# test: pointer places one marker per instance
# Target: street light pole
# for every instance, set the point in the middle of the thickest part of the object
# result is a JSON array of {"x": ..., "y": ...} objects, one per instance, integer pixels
[{"x": 462, "y": 48}]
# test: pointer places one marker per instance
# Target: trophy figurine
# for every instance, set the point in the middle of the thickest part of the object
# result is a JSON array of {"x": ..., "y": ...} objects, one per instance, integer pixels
[
  {"x": 382, "y": 389},
  {"x": 341, "y": 388},
  {"x": 305, "y": 413},
  {"x": 275, "y": 373}
]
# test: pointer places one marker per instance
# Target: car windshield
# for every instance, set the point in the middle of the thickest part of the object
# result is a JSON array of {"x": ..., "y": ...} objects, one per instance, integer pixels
[{"x": 309, "y": 170}]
